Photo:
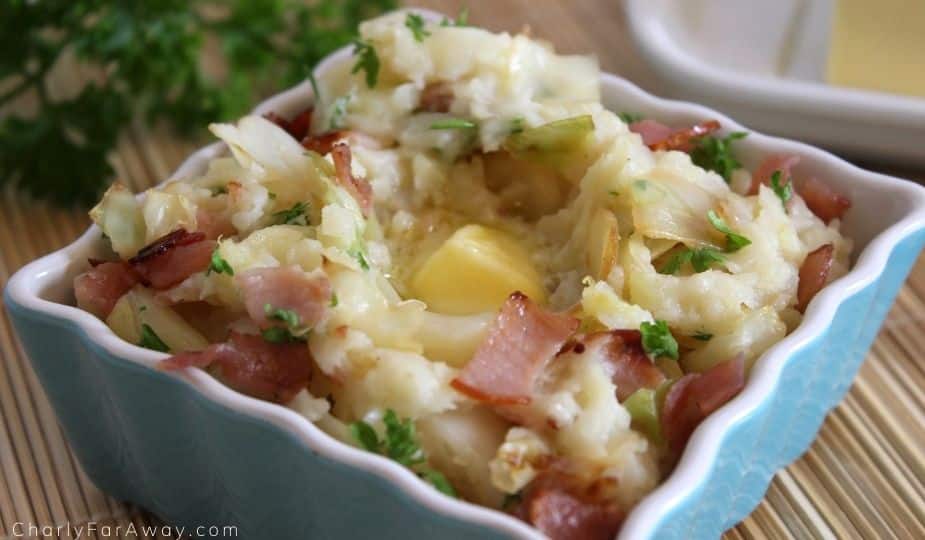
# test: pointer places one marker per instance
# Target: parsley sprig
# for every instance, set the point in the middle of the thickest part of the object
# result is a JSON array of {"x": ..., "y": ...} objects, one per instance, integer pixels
[
  {"x": 715, "y": 154},
  {"x": 415, "y": 23},
  {"x": 295, "y": 215},
  {"x": 400, "y": 444},
  {"x": 700, "y": 259},
  {"x": 783, "y": 190},
  {"x": 734, "y": 241},
  {"x": 454, "y": 123},
  {"x": 657, "y": 340},
  {"x": 367, "y": 60},
  {"x": 151, "y": 53},
  {"x": 150, "y": 339},
  {"x": 218, "y": 264},
  {"x": 461, "y": 20}
]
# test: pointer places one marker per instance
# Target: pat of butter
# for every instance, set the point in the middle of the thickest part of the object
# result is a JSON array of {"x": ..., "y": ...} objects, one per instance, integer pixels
[
  {"x": 474, "y": 271},
  {"x": 879, "y": 46}
]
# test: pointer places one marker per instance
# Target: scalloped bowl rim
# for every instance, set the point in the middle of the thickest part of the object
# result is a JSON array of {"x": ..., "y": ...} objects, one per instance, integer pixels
[{"x": 26, "y": 286}]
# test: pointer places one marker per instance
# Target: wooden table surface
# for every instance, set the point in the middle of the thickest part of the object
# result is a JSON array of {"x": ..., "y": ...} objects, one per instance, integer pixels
[{"x": 864, "y": 477}]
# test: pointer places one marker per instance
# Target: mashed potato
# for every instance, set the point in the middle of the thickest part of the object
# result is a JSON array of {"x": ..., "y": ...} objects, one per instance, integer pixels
[{"x": 492, "y": 167}]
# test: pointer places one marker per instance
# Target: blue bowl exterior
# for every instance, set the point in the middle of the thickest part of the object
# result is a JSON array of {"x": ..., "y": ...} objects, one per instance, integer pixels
[{"x": 149, "y": 438}]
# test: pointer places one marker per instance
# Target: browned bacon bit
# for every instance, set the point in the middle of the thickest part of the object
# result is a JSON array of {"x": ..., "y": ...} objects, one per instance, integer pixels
[
  {"x": 172, "y": 258},
  {"x": 249, "y": 364},
  {"x": 358, "y": 187},
  {"x": 561, "y": 509},
  {"x": 814, "y": 272},
  {"x": 98, "y": 289},
  {"x": 657, "y": 136},
  {"x": 629, "y": 367},
  {"x": 694, "y": 396},
  {"x": 520, "y": 342},
  {"x": 324, "y": 143},
  {"x": 437, "y": 97},
  {"x": 298, "y": 127},
  {"x": 286, "y": 288},
  {"x": 822, "y": 200}
]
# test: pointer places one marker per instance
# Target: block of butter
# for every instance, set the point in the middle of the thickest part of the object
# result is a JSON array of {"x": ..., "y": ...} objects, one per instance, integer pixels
[{"x": 879, "y": 46}]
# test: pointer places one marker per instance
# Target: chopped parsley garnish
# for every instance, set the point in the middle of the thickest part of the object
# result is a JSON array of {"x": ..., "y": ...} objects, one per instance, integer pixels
[
  {"x": 699, "y": 258},
  {"x": 715, "y": 154},
  {"x": 338, "y": 111},
  {"x": 358, "y": 251},
  {"x": 334, "y": 300},
  {"x": 629, "y": 117},
  {"x": 734, "y": 241},
  {"x": 517, "y": 125},
  {"x": 150, "y": 340},
  {"x": 453, "y": 123},
  {"x": 613, "y": 193},
  {"x": 271, "y": 195},
  {"x": 461, "y": 20},
  {"x": 218, "y": 190},
  {"x": 400, "y": 444},
  {"x": 703, "y": 336},
  {"x": 218, "y": 264},
  {"x": 784, "y": 191},
  {"x": 415, "y": 23},
  {"x": 367, "y": 60},
  {"x": 657, "y": 340},
  {"x": 292, "y": 216},
  {"x": 288, "y": 316},
  {"x": 278, "y": 334}
]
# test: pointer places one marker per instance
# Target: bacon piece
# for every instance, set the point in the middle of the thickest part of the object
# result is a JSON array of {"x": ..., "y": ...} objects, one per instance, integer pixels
[
  {"x": 822, "y": 200},
  {"x": 629, "y": 367},
  {"x": 324, "y": 143},
  {"x": 694, "y": 396},
  {"x": 98, "y": 289},
  {"x": 172, "y": 258},
  {"x": 437, "y": 97},
  {"x": 358, "y": 187},
  {"x": 519, "y": 344},
  {"x": 658, "y": 136},
  {"x": 269, "y": 371},
  {"x": 213, "y": 225},
  {"x": 775, "y": 162},
  {"x": 814, "y": 272},
  {"x": 298, "y": 127},
  {"x": 555, "y": 504},
  {"x": 287, "y": 288}
]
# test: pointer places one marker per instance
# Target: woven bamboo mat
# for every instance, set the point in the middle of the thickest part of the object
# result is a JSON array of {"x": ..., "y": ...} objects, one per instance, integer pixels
[{"x": 864, "y": 477}]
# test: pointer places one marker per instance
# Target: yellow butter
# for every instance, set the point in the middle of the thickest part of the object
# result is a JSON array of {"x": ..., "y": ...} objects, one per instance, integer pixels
[{"x": 474, "y": 271}]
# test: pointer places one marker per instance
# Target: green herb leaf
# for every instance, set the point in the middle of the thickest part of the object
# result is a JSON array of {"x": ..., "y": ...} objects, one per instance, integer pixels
[
  {"x": 365, "y": 435},
  {"x": 784, "y": 191},
  {"x": 517, "y": 125},
  {"x": 715, "y": 154},
  {"x": 703, "y": 258},
  {"x": 734, "y": 241},
  {"x": 676, "y": 262},
  {"x": 453, "y": 123},
  {"x": 401, "y": 440},
  {"x": 657, "y": 340},
  {"x": 279, "y": 335},
  {"x": 218, "y": 264},
  {"x": 334, "y": 300},
  {"x": 292, "y": 216},
  {"x": 436, "y": 479},
  {"x": 367, "y": 60},
  {"x": 218, "y": 190},
  {"x": 630, "y": 118},
  {"x": 703, "y": 336},
  {"x": 288, "y": 316},
  {"x": 415, "y": 23},
  {"x": 461, "y": 20},
  {"x": 338, "y": 111},
  {"x": 150, "y": 340}
]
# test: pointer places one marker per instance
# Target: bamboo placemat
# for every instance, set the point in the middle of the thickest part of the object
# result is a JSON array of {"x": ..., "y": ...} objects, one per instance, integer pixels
[{"x": 864, "y": 477}]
